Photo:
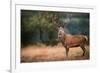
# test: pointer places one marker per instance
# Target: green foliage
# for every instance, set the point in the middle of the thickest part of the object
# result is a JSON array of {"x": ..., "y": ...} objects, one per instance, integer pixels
[
  {"x": 37, "y": 26},
  {"x": 41, "y": 26}
]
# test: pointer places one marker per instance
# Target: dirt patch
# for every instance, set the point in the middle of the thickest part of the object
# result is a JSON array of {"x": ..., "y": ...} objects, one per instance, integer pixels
[{"x": 49, "y": 53}]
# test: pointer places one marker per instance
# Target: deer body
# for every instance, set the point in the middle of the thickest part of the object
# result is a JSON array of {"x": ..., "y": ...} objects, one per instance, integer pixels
[{"x": 70, "y": 41}]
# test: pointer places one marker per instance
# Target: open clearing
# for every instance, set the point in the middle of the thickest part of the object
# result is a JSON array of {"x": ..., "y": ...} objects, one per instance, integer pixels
[{"x": 49, "y": 53}]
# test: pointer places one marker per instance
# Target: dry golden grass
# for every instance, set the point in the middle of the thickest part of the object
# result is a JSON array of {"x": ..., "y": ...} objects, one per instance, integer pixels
[{"x": 51, "y": 53}]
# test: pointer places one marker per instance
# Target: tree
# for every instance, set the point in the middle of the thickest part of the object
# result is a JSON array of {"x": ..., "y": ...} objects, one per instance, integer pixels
[{"x": 41, "y": 26}]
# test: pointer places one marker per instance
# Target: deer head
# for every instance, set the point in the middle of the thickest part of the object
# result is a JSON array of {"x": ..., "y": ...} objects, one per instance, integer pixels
[{"x": 61, "y": 33}]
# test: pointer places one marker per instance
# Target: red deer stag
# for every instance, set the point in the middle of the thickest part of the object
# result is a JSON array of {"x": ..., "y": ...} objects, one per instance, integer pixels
[{"x": 70, "y": 41}]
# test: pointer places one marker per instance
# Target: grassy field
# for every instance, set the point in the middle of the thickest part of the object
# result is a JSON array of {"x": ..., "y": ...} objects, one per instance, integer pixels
[{"x": 51, "y": 53}]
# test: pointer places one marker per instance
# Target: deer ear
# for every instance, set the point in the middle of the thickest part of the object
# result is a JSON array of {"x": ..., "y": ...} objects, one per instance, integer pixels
[
  {"x": 63, "y": 26},
  {"x": 58, "y": 26}
]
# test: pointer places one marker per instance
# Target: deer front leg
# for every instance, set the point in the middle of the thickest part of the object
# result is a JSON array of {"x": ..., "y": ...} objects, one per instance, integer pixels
[{"x": 67, "y": 50}]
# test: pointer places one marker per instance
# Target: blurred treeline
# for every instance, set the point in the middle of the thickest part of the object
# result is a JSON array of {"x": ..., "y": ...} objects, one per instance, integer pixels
[{"x": 41, "y": 26}]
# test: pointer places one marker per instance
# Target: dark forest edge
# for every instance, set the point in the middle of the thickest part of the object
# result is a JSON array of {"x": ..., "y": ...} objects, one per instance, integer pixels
[{"x": 41, "y": 26}]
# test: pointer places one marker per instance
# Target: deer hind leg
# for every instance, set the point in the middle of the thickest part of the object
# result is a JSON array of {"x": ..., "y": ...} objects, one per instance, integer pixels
[{"x": 83, "y": 48}]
